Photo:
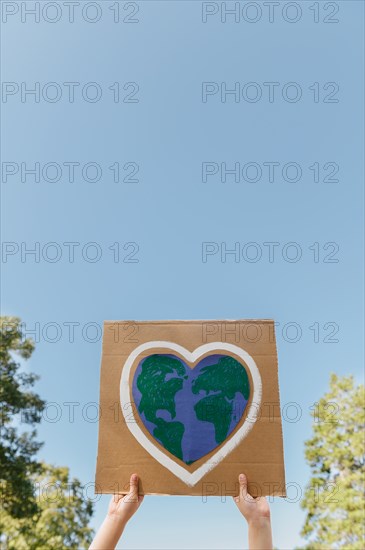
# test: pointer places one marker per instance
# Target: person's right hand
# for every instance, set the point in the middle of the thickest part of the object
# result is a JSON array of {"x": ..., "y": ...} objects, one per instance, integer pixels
[
  {"x": 122, "y": 507},
  {"x": 251, "y": 508}
]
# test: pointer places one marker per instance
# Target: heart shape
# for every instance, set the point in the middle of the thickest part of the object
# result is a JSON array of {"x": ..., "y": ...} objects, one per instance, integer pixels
[{"x": 190, "y": 411}]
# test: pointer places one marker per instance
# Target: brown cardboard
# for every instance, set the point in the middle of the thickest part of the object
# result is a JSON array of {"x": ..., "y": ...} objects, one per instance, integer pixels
[{"x": 259, "y": 453}]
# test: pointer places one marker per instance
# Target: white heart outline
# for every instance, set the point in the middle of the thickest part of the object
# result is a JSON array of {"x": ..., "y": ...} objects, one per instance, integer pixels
[{"x": 191, "y": 478}]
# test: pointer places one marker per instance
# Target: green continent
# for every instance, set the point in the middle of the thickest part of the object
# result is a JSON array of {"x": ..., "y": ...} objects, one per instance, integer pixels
[
  {"x": 170, "y": 434},
  {"x": 225, "y": 379},
  {"x": 227, "y": 376},
  {"x": 218, "y": 410},
  {"x": 159, "y": 394}
]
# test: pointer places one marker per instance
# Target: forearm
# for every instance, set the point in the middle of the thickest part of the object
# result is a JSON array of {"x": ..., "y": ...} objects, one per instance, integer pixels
[
  {"x": 109, "y": 534},
  {"x": 259, "y": 534}
]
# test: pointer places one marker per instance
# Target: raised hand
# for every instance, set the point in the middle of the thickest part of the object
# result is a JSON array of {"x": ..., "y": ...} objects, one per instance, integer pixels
[
  {"x": 256, "y": 511},
  {"x": 123, "y": 507}
]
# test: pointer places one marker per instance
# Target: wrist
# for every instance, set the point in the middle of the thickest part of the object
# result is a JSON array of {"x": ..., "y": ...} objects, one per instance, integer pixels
[
  {"x": 115, "y": 521},
  {"x": 109, "y": 533},
  {"x": 259, "y": 533},
  {"x": 259, "y": 522}
]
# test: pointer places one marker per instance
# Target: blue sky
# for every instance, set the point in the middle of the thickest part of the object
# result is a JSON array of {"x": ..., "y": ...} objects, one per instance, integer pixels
[{"x": 161, "y": 221}]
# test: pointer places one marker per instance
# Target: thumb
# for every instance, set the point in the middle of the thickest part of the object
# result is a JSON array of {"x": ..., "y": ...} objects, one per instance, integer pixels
[
  {"x": 243, "y": 485},
  {"x": 133, "y": 487}
]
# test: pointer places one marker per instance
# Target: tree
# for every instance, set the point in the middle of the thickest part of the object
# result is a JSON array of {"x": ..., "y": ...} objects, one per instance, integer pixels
[
  {"x": 62, "y": 520},
  {"x": 41, "y": 508},
  {"x": 18, "y": 405},
  {"x": 334, "y": 497}
]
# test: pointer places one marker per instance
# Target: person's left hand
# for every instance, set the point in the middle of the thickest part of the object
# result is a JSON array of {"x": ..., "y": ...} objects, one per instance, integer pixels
[{"x": 122, "y": 507}]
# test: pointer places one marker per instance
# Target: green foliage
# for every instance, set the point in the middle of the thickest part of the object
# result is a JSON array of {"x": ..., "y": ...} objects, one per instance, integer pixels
[
  {"x": 334, "y": 498},
  {"x": 18, "y": 405},
  {"x": 62, "y": 518},
  {"x": 41, "y": 508}
]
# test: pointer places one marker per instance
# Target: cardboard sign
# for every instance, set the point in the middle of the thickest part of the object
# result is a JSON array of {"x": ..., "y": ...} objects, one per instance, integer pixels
[{"x": 188, "y": 405}]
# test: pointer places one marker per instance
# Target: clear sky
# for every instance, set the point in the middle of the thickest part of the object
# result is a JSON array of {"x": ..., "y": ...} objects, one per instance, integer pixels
[{"x": 294, "y": 132}]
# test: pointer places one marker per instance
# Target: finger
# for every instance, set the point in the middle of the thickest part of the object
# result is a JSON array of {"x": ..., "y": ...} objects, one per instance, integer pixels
[
  {"x": 243, "y": 485},
  {"x": 117, "y": 497},
  {"x": 133, "y": 482},
  {"x": 133, "y": 487}
]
